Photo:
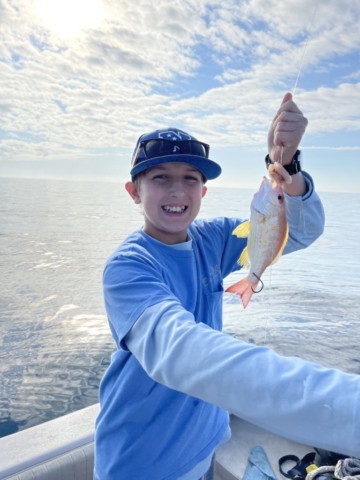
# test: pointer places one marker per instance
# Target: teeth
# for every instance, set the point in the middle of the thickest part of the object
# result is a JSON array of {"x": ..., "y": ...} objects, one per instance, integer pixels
[{"x": 174, "y": 209}]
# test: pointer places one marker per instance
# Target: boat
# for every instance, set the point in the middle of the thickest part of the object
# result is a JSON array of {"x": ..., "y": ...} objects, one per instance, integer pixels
[{"x": 63, "y": 449}]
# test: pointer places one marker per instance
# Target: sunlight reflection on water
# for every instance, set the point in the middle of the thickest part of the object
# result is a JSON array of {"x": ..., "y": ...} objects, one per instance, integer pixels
[{"x": 55, "y": 341}]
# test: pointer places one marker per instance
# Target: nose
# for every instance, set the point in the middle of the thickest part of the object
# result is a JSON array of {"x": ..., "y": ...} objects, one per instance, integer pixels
[{"x": 177, "y": 188}]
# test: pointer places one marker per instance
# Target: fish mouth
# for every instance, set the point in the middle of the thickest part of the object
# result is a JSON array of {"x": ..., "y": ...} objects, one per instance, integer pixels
[{"x": 175, "y": 209}]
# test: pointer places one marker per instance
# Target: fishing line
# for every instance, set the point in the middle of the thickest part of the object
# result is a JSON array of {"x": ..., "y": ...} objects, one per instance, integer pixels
[
  {"x": 266, "y": 331},
  {"x": 304, "y": 51},
  {"x": 282, "y": 146},
  {"x": 301, "y": 65},
  {"x": 297, "y": 80}
]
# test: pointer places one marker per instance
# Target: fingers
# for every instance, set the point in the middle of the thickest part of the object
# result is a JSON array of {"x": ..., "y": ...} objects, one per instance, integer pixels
[
  {"x": 287, "y": 97},
  {"x": 278, "y": 173},
  {"x": 291, "y": 117},
  {"x": 289, "y": 112},
  {"x": 288, "y": 139},
  {"x": 286, "y": 130},
  {"x": 288, "y": 106},
  {"x": 289, "y": 127}
]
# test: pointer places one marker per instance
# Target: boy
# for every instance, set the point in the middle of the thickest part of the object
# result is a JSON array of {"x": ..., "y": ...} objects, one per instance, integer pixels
[{"x": 164, "y": 399}]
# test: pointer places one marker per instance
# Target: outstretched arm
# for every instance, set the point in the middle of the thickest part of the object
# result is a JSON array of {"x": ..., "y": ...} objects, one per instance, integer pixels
[{"x": 291, "y": 397}]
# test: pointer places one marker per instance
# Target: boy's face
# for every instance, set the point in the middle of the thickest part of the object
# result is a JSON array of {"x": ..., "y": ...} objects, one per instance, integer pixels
[{"x": 170, "y": 195}]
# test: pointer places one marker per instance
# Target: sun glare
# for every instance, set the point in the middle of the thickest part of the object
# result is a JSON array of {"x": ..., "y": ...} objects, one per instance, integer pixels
[{"x": 69, "y": 17}]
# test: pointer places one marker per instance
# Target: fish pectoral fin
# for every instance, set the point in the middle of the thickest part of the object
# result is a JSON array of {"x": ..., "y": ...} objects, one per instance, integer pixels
[
  {"x": 244, "y": 260},
  {"x": 242, "y": 230},
  {"x": 282, "y": 246}
]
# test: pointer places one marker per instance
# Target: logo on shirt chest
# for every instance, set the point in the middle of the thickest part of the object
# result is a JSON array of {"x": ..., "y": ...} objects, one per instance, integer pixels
[{"x": 214, "y": 272}]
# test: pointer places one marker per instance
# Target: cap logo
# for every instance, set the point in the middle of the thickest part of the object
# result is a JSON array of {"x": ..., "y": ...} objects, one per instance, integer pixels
[{"x": 174, "y": 135}]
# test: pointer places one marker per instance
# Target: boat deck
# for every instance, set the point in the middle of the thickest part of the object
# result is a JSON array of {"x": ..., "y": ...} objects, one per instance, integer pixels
[{"x": 232, "y": 457}]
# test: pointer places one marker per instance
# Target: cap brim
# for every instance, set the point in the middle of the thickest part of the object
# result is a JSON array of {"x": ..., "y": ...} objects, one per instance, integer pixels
[{"x": 208, "y": 168}]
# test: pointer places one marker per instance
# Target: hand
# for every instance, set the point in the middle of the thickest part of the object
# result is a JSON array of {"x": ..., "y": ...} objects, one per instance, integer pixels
[
  {"x": 279, "y": 175},
  {"x": 286, "y": 131}
]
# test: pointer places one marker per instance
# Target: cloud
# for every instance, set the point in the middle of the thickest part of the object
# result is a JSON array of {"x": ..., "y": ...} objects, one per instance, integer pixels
[
  {"x": 333, "y": 109},
  {"x": 353, "y": 76},
  {"x": 68, "y": 97}
]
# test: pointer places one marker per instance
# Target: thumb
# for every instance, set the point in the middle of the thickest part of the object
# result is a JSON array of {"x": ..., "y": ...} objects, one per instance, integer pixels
[{"x": 287, "y": 97}]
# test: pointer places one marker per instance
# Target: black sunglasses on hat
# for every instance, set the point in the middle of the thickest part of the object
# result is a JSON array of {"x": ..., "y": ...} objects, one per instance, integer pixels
[{"x": 172, "y": 145}]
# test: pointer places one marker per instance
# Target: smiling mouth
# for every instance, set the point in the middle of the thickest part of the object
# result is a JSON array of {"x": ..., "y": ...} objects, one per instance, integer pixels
[{"x": 174, "y": 209}]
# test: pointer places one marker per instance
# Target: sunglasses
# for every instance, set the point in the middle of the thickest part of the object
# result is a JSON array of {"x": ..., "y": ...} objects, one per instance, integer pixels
[{"x": 160, "y": 148}]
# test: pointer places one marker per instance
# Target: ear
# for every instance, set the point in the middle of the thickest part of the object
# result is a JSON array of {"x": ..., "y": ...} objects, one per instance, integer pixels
[
  {"x": 203, "y": 191},
  {"x": 133, "y": 192}
]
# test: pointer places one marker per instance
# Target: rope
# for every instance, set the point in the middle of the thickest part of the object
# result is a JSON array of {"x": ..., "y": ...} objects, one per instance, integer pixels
[
  {"x": 318, "y": 471},
  {"x": 347, "y": 469}
]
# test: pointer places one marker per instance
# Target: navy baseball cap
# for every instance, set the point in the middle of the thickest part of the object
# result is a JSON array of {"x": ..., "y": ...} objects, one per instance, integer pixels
[{"x": 172, "y": 145}]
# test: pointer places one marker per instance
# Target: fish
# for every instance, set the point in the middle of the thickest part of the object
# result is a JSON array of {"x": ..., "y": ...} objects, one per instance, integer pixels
[{"x": 267, "y": 232}]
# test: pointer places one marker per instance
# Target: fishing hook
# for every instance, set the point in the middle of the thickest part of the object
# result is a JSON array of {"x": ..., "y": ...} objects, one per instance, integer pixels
[{"x": 262, "y": 284}]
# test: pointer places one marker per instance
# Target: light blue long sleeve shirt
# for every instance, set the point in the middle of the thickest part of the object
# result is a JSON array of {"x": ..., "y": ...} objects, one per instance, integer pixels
[
  {"x": 289, "y": 396},
  {"x": 163, "y": 406}
]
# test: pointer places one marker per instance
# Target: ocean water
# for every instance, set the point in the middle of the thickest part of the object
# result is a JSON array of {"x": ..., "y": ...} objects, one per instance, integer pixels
[{"x": 54, "y": 339}]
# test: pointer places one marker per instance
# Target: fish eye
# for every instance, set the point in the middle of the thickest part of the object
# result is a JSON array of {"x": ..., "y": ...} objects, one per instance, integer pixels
[{"x": 279, "y": 197}]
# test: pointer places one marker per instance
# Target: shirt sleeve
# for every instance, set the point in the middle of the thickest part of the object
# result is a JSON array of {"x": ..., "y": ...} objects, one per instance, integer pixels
[
  {"x": 291, "y": 397},
  {"x": 131, "y": 284},
  {"x": 306, "y": 218}
]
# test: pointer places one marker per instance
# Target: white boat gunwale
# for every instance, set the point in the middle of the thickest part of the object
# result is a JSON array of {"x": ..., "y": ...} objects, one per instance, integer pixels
[{"x": 62, "y": 449}]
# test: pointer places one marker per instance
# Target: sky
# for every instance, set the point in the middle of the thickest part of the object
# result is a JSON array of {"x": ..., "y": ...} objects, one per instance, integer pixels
[{"x": 81, "y": 80}]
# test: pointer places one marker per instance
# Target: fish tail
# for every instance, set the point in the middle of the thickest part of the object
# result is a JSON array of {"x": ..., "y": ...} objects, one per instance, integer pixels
[{"x": 244, "y": 288}]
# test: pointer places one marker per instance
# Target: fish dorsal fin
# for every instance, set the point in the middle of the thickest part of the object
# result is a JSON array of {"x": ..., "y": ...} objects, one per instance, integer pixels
[
  {"x": 282, "y": 246},
  {"x": 242, "y": 230},
  {"x": 244, "y": 260}
]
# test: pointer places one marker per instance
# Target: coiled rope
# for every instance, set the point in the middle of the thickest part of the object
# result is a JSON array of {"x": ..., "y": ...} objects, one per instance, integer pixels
[{"x": 347, "y": 469}]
